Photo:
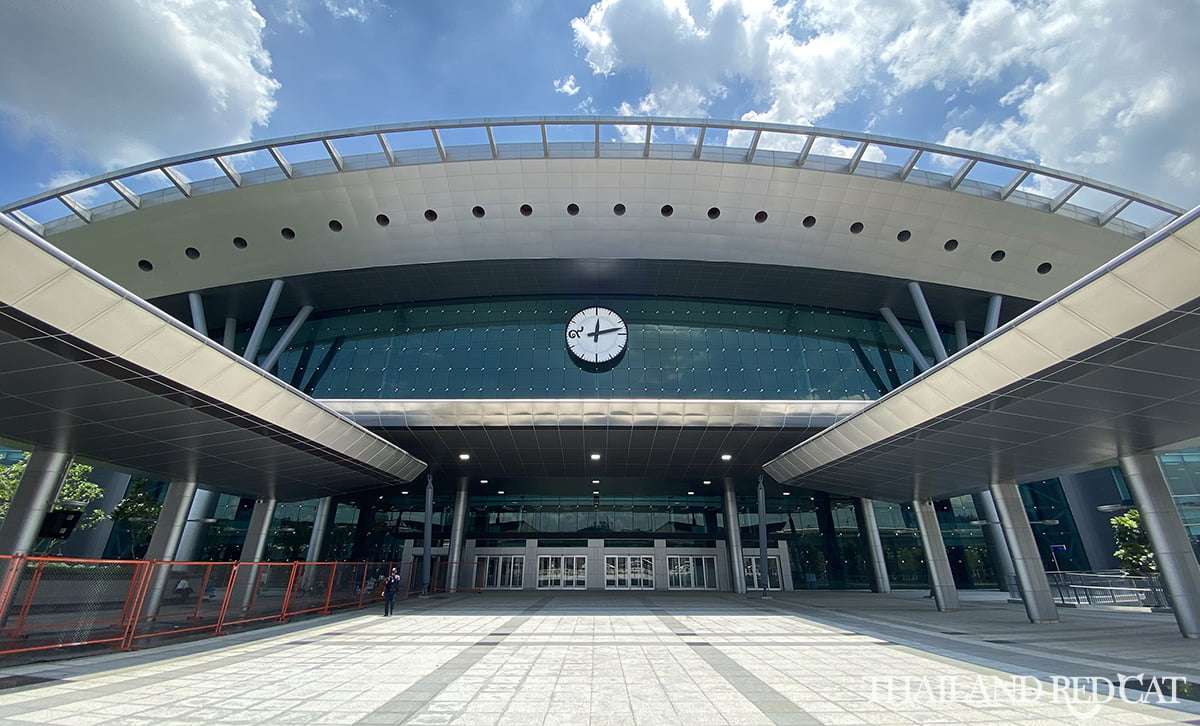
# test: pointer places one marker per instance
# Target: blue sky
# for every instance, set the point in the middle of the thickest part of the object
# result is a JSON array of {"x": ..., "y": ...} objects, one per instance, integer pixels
[{"x": 1103, "y": 88}]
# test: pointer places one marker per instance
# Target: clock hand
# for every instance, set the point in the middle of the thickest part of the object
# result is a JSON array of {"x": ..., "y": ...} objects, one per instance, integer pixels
[
  {"x": 609, "y": 330},
  {"x": 595, "y": 336}
]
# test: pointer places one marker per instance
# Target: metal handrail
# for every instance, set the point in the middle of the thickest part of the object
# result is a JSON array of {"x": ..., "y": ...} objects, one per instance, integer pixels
[{"x": 239, "y": 166}]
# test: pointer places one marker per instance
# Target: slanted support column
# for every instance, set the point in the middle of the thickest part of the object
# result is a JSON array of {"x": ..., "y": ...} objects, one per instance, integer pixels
[
  {"x": 931, "y": 331},
  {"x": 733, "y": 533},
  {"x": 1168, "y": 538},
  {"x": 1027, "y": 563},
  {"x": 320, "y": 526},
  {"x": 940, "y": 577},
  {"x": 203, "y": 506},
  {"x": 39, "y": 485},
  {"x": 286, "y": 339},
  {"x": 256, "y": 532},
  {"x": 868, "y": 525},
  {"x": 960, "y": 335},
  {"x": 199, "y": 324},
  {"x": 164, "y": 543},
  {"x": 993, "y": 535},
  {"x": 905, "y": 339},
  {"x": 253, "y": 548},
  {"x": 264, "y": 319},
  {"x": 230, "y": 334},
  {"x": 458, "y": 531},
  {"x": 764, "y": 568},
  {"x": 427, "y": 543},
  {"x": 993, "y": 314}
]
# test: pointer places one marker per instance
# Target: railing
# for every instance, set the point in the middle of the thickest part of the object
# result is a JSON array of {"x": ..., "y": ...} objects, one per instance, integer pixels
[
  {"x": 49, "y": 603},
  {"x": 913, "y": 162},
  {"x": 1102, "y": 588}
]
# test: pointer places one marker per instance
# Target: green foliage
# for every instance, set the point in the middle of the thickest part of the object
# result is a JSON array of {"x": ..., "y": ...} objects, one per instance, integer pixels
[
  {"x": 137, "y": 512},
  {"x": 76, "y": 491},
  {"x": 1133, "y": 545}
]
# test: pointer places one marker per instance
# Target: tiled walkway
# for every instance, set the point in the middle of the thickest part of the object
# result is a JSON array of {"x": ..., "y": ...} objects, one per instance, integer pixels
[{"x": 630, "y": 658}]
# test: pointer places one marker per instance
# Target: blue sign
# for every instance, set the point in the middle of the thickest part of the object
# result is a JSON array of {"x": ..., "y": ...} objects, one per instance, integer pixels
[{"x": 1058, "y": 548}]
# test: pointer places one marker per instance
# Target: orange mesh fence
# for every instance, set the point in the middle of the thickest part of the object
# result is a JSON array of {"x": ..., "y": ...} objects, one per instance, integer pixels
[
  {"x": 54, "y": 602},
  {"x": 50, "y": 602}
]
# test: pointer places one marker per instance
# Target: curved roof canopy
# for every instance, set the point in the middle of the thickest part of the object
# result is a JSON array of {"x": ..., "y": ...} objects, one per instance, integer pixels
[{"x": 553, "y": 191}]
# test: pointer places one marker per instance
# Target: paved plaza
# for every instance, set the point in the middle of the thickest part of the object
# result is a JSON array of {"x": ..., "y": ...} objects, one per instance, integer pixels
[{"x": 636, "y": 658}]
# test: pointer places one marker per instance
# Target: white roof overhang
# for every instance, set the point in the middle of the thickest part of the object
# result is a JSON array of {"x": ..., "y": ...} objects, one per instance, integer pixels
[{"x": 1109, "y": 366}]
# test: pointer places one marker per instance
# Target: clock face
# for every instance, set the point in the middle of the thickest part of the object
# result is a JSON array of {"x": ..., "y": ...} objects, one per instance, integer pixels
[{"x": 596, "y": 335}]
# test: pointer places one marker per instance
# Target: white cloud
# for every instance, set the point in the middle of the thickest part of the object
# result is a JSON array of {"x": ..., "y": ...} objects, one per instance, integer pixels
[
  {"x": 359, "y": 10},
  {"x": 1097, "y": 87},
  {"x": 566, "y": 85},
  {"x": 117, "y": 82}
]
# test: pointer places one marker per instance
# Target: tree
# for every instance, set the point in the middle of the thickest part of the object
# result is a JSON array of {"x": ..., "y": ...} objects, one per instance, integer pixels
[
  {"x": 1133, "y": 545},
  {"x": 137, "y": 513},
  {"x": 76, "y": 492}
]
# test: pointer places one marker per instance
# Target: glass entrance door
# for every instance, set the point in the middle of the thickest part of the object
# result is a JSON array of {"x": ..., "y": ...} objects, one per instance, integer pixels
[
  {"x": 502, "y": 572},
  {"x": 562, "y": 572},
  {"x": 628, "y": 572},
  {"x": 750, "y": 566},
  {"x": 692, "y": 572}
]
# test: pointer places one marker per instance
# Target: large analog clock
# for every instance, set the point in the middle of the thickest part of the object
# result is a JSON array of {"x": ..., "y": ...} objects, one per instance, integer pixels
[{"x": 596, "y": 335}]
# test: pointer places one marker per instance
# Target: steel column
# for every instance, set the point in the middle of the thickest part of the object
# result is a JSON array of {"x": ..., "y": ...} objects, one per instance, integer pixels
[
  {"x": 426, "y": 561},
  {"x": 764, "y": 569},
  {"x": 320, "y": 524},
  {"x": 203, "y": 506},
  {"x": 1168, "y": 538},
  {"x": 45, "y": 470},
  {"x": 164, "y": 542},
  {"x": 1027, "y": 563},
  {"x": 905, "y": 339},
  {"x": 264, "y": 319},
  {"x": 733, "y": 534},
  {"x": 931, "y": 331},
  {"x": 993, "y": 314},
  {"x": 868, "y": 525},
  {"x": 993, "y": 534},
  {"x": 941, "y": 579},
  {"x": 286, "y": 339},
  {"x": 458, "y": 530},
  {"x": 199, "y": 324},
  {"x": 253, "y": 548}
]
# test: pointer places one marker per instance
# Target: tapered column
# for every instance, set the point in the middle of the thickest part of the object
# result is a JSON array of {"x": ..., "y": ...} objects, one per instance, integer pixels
[
  {"x": 868, "y": 525},
  {"x": 1168, "y": 538},
  {"x": 426, "y": 560},
  {"x": 458, "y": 530},
  {"x": 993, "y": 535},
  {"x": 1027, "y": 563},
  {"x": 90, "y": 543},
  {"x": 256, "y": 533},
  {"x": 34, "y": 498},
  {"x": 941, "y": 579},
  {"x": 264, "y": 320},
  {"x": 204, "y": 504},
  {"x": 253, "y": 548},
  {"x": 764, "y": 565},
  {"x": 733, "y": 534},
  {"x": 320, "y": 526},
  {"x": 164, "y": 543}
]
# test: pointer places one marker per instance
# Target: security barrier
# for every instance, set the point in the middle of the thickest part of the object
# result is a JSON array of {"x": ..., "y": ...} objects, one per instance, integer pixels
[{"x": 55, "y": 602}]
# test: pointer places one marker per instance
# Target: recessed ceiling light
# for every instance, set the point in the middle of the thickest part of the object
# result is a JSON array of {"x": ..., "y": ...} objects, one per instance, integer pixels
[
  {"x": 595, "y": 481},
  {"x": 787, "y": 494},
  {"x": 706, "y": 482},
  {"x": 500, "y": 492},
  {"x": 404, "y": 492},
  {"x": 691, "y": 493},
  {"x": 596, "y": 493},
  {"x": 595, "y": 457},
  {"x": 726, "y": 457},
  {"x": 483, "y": 481},
  {"x": 464, "y": 457}
]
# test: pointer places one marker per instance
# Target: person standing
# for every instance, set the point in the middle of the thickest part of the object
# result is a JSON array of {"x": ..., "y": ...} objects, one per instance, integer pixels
[{"x": 391, "y": 585}]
